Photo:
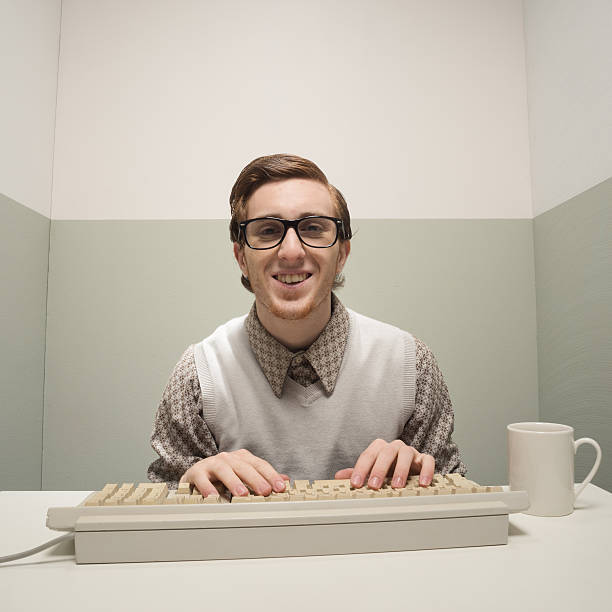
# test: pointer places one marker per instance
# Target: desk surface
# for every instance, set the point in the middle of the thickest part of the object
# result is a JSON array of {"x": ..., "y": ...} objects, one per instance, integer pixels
[{"x": 549, "y": 563}]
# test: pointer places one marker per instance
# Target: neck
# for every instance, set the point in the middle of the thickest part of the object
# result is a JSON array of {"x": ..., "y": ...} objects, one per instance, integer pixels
[{"x": 299, "y": 333}]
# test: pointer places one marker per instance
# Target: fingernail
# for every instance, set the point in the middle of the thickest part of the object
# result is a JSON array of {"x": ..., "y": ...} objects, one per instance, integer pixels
[
  {"x": 357, "y": 480},
  {"x": 280, "y": 485},
  {"x": 397, "y": 481},
  {"x": 241, "y": 490},
  {"x": 374, "y": 482}
]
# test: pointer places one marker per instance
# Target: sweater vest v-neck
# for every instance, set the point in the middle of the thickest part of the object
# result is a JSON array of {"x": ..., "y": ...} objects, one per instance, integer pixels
[{"x": 307, "y": 433}]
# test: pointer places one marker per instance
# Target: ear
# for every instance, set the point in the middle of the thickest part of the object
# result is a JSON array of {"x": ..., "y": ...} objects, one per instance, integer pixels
[
  {"x": 343, "y": 253},
  {"x": 240, "y": 258}
]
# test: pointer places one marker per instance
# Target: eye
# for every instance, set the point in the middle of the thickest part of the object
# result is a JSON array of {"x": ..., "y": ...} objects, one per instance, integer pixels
[
  {"x": 316, "y": 227},
  {"x": 313, "y": 227},
  {"x": 266, "y": 230}
]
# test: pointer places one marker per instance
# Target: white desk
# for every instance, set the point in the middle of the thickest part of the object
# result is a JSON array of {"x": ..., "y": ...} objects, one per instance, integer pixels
[{"x": 548, "y": 564}]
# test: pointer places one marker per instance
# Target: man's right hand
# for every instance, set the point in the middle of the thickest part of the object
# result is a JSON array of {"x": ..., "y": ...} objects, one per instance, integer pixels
[{"x": 235, "y": 470}]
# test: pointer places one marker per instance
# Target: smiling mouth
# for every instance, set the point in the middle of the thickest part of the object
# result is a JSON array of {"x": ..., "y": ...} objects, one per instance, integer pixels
[{"x": 292, "y": 279}]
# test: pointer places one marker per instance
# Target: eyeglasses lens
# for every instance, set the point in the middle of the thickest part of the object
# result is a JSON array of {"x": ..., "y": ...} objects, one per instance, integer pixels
[{"x": 264, "y": 233}]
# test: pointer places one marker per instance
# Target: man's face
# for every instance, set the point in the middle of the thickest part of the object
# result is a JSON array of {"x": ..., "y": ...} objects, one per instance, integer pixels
[{"x": 267, "y": 270}]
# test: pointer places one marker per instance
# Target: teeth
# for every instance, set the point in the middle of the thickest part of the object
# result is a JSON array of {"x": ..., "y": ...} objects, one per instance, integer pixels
[{"x": 291, "y": 278}]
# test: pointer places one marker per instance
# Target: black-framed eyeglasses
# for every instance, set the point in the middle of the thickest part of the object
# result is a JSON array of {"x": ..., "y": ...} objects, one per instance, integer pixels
[{"x": 315, "y": 231}]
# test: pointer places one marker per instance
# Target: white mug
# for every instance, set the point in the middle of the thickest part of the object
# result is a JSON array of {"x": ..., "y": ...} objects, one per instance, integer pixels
[{"x": 541, "y": 462}]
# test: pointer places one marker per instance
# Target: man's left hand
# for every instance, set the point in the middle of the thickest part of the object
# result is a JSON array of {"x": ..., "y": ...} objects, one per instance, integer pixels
[{"x": 381, "y": 457}]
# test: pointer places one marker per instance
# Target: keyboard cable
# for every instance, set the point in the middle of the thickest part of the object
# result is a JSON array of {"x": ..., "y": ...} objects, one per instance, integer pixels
[{"x": 33, "y": 551}]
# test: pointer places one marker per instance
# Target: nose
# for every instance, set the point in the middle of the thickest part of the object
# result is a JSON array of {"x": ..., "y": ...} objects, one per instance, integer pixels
[{"x": 291, "y": 247}]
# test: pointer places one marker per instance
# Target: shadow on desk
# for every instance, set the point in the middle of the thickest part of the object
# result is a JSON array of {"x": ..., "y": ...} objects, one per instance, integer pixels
[
  {"x": 580, "y": 508},
  {"x": 514, "y": 530},
  {"x": 62, "y": 550}
]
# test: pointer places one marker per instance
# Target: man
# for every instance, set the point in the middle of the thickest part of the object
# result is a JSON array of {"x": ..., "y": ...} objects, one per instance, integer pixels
[{"x": 301, "y": 387}]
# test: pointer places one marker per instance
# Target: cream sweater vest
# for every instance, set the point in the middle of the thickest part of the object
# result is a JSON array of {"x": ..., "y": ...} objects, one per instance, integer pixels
[{"x": 306, "y": 433}]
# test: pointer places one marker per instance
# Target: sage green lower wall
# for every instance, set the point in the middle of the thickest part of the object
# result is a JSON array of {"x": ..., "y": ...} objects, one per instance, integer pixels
[
  {"x": 24, "y": 252},
  {"x": 127, "y": 297},
  {"x": 573, "y": 258}
]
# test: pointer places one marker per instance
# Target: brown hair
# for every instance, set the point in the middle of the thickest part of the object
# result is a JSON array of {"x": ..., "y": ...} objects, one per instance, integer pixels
[{"x": 280, "y": 167}]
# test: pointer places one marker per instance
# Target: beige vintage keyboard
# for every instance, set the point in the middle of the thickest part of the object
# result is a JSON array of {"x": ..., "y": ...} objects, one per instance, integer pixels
[{"x": 149, "y": 522}]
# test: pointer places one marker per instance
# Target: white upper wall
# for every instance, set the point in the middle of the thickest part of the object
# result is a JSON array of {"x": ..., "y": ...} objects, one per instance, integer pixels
[
  {"x": 413, "y": 109},
  {"x": 29, "y": 40},
  {"x": 569, "y": 68}
]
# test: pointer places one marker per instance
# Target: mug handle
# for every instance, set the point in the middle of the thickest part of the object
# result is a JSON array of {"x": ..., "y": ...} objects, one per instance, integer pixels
[{"x": 590, "y": 475}]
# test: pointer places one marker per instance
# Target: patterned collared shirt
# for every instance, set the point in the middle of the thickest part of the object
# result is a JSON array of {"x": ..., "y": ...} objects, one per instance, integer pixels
[
  {"x": 181, "y": 437},
  {"x": 320, "y": 361}
]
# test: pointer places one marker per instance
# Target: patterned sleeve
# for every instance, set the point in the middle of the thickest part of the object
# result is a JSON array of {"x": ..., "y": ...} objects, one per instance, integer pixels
[
  {"x": 180, "y": 435},
  {"x": 430, "y": 427}
]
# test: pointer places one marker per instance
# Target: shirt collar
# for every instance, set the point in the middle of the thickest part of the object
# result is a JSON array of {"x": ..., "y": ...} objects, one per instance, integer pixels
[{"x": 324, "y": 354}]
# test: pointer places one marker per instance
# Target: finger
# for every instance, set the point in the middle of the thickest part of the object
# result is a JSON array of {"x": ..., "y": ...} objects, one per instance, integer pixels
[
  {"x": 198, "y": 476},
  {"x": 428, "y": 466},
  {"x": 206, "y": 488},
  {"x": 343, "y": 474},
  {"x": 383, "y": 463},
  {"x": 221, "y": 470},
  {"x": 404, "y": 460},
  {"x": 202, "y": 484},
  {"x": 365, "y": 462},
  {"x": 252, "y": 478},
  {"x": 276, "y": 481}
]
